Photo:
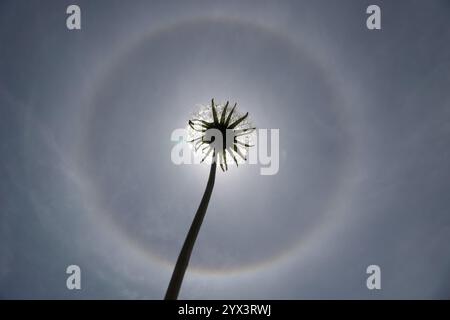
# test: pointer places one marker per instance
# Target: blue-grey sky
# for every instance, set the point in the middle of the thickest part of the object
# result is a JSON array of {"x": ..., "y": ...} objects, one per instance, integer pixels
[{"x": 86, "y": 175}]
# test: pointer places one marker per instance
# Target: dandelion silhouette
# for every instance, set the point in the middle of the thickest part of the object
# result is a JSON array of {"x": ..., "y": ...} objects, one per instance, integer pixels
[
  {"x": 211, "y": 122},
  {"x": 234, "y": 129}
]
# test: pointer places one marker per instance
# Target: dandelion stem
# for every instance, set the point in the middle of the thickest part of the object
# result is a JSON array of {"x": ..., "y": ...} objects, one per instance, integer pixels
[{"x": 185, "y": 254}]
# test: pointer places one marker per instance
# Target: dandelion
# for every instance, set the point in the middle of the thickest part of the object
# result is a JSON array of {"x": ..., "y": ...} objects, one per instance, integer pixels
[{"x": 235, "y": 131}]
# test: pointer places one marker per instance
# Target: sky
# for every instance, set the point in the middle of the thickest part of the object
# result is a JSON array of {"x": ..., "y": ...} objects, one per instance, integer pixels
[{"x": 87, "y": 178}]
